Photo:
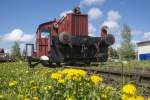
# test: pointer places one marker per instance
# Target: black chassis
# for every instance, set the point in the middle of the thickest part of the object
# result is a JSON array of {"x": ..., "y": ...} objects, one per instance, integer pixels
[{"x": 79, "y": 49}]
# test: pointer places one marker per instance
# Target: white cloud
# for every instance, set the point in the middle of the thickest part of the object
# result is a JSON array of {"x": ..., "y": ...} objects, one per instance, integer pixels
[
  {"x": 94, "y": 13},
  {"x": 27, "y": 37},
  {"x": 147, "y": 35},
  {"x": 0, "y": 37},
  {"x": 112, "y": 20},
  {"x": 91, "y": 2},
  {"x": 113, "y": 15},
  {"x": 15, "y": 35},
  {"x": 113, "y": 25},
  {"x": 91, "y": 30},
  {"x": 65, "y": 13},
  {"x": 18, "y": 35}
]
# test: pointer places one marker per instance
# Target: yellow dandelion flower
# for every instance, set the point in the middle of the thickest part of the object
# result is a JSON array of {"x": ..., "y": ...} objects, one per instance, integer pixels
[
  {"x": 26, "y": 99},
  {"x": 149, "y": 98},
  {"x": 81, "y": 72},
  {"x": 35, "y": 98},
  {"x": 74, "y": 74},
  {"x": 69, "y": 98},
  {"x": 12, "y": 83},
  {"x": 104, "y": 96},
  {"x": 125, "y": 97},
  {"x": 129, "y": 89},
  {"x": 34, "y": 87},
  {"x": 48, "y": 87},
  {"x": 20, "y": 96},
  {"x": 56, "y": 76},
  {"x": 61, "y": 81},
  {"x": 45, "y": 88},
  {"x": 1, "y": 96},
  {"x": 96, "y": 79},
  {"x": 140, "y": 98},
  {"x": 131, "y": 98},
  {"x": 109, "y": 88},
  {"x": 27, "y": 72},
  {"x": 32, "y": 82}
]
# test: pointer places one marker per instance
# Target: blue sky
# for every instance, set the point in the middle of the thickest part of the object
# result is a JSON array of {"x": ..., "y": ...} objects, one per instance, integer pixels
[{"x": 20, "y": 18}]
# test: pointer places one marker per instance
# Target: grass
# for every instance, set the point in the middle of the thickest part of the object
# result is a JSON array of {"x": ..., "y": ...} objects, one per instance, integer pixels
[
  {"x": 20, "y": 72},
  {"x": 19, "y": 82},
  {"x": 127, "y": 65}
]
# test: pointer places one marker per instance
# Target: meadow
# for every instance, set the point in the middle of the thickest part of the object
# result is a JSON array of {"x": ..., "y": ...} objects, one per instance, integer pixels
[{"x": 19, "y": 82}]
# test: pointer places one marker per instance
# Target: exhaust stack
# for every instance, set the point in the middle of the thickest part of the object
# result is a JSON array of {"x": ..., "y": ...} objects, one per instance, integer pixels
[
  {"x": 108, "y": 38},
  {"x": 104, "y": 31}
]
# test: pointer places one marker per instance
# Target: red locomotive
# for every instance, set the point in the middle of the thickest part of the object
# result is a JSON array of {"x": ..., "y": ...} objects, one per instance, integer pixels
[{"x": 67, "y": 40}]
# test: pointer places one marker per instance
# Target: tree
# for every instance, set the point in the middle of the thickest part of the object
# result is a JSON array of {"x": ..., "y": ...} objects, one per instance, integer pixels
[
  {"x": 126, "y": 49},
  {"x": 15, "y": 52},
  {"x": 112, "y": 53}
]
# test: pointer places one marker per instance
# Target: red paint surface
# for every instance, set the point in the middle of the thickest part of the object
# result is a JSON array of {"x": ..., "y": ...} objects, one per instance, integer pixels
[{"x": 76, "y": 25}]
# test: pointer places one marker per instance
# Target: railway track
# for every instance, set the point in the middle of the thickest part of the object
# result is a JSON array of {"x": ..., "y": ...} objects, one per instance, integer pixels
[{"x": 139, "y": 77}]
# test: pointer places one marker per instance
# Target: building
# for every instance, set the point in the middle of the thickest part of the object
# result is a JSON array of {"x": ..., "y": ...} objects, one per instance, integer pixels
[{"x": 143, "y": 50}]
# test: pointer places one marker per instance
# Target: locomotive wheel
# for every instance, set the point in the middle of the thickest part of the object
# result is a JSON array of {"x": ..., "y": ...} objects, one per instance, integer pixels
[{"x": 64, "y": 37}]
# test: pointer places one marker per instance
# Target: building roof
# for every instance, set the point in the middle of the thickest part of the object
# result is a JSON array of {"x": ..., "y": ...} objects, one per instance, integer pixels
[{"x": 143, "y": 42}]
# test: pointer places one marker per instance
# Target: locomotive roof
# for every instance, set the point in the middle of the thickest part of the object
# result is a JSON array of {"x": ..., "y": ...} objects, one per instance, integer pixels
[
  {"x": 43, "y": 24},
  {"x": 143, "y": 42},
  {"x": 46, "y": 23}
]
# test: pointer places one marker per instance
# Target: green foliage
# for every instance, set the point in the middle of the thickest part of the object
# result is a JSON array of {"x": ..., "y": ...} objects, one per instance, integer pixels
[
  {"x": 113, "y": 53},
  {"x": 126, "y": 50},
  {"x": 15, "y": 51}
]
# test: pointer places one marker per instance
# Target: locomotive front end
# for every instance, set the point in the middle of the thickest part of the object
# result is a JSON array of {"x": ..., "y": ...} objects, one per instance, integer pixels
[{"x": 67, "y": 40}]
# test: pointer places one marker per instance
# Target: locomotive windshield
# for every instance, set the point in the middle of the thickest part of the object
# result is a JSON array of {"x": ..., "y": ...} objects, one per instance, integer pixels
[{"x": 45, "y": 33}]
